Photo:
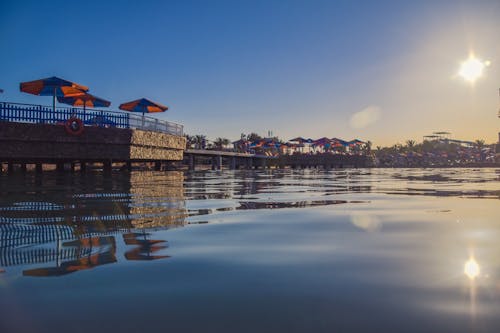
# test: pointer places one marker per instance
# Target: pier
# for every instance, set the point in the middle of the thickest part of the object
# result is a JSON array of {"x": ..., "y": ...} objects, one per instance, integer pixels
[
  {"x": 37, "y": 135},
  {"x": 231, "y": 160}
]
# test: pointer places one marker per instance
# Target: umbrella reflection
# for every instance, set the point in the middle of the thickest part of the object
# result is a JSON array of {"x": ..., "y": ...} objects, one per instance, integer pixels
[
  {"x": 145, "y": 247},
  {"x": 102, "y": 251}
]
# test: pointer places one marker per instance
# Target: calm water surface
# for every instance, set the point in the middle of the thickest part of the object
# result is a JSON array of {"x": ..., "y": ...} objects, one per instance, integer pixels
[{"x": 396, "y": 250}]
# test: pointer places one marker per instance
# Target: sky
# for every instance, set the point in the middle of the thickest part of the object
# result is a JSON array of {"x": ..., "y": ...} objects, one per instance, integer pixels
[{"x": 384, "y": 71}]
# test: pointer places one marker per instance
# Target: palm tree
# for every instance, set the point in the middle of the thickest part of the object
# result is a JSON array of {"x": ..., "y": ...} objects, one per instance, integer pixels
[
  {"x": 253, "y": 137},
  {"x": 221, "y": 142},
  {"x": 200, "y": 141},
  {"x": 480, "y": 146},
  {"x": 367, "y": 147},
  {"x": 410, "y": 145},
  {"x": 189, "y": 140}
]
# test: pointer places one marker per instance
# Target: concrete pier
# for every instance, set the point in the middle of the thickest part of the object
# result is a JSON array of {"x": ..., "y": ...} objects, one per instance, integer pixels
[
  {"x": 40, "y": 144},
  {"x": 218, "y": 160}
]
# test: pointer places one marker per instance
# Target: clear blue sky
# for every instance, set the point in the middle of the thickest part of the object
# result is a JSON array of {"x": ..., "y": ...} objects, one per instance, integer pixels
[{"x": 293, "y": 67}]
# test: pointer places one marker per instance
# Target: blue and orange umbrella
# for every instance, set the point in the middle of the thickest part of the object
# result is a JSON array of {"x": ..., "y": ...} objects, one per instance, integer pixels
[
  {"x": 53, "y": 86},
  {"x": 84, "y": 100},
  {"x": 143, "y": 105}
]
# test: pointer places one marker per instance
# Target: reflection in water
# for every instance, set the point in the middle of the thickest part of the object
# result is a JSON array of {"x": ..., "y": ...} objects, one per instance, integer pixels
[
  {"x": 366, "y": 222},
  {"x": 145, "y": 247},
  {"x": 471, "y": 268},
  {"x": 282, "y": 251},
  {"x": 472, "y": 271},
  {"x": 75, "y": 227},
  {"x": 90, "y": 252},
  {"x": 277, "y": 204}
]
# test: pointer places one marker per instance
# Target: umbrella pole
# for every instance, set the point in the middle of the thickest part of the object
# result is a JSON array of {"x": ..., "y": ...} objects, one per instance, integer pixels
[{"x": 54, "y": 105}]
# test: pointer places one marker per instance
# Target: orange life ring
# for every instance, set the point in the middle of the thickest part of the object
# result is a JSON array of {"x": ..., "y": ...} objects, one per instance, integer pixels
[{"x": 74, "y": 126}]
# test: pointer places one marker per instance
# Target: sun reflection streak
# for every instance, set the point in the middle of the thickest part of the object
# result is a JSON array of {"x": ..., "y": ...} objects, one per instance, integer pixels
[{"x": 472, "y": 270}]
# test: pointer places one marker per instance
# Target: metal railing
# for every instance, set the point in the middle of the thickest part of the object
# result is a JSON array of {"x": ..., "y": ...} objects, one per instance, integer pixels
[{"x": 40, "y": 114}]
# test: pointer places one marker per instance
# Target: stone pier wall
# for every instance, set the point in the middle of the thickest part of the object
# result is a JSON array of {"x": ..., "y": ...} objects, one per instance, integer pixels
[{"x": 47, "y": 143}]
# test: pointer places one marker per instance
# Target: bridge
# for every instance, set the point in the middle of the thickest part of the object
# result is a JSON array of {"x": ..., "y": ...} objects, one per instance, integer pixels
[{"x": 233, "y": 160}]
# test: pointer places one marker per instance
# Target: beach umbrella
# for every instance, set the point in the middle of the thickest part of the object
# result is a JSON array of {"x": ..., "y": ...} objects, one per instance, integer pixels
[
  {"x": 355, "y": 142},
  {"x": 143, "y": 105},
  {"x": 298, "y": 139},
  {"x": 84, "y": 100},
  {"x": 53, "y": 86},
  {"x": 340, "y": 141}
]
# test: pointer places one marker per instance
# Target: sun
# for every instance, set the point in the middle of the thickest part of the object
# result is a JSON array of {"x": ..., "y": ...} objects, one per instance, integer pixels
[{"x": 472, "y": 68}]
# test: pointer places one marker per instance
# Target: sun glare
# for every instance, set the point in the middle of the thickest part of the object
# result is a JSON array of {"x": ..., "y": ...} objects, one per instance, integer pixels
[
  {"x": 472, "y": 69},
  {"x": 471, "y": 269}
]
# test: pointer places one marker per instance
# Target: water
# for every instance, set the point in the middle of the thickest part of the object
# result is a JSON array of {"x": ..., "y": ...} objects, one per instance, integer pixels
[{"x": 382, "y": 250}]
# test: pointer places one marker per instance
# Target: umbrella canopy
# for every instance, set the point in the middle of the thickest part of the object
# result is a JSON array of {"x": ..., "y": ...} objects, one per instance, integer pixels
[
  {"x": 298, "y": 139},
  {"x": 53, "y": 86},
  {"x": 84, "y": 100},
  {"x": 338, "y": 141},
  {"x": 355, "y": 142},
  {"x": 322, "y": 141},
  {"x": 143, "y": 105}
]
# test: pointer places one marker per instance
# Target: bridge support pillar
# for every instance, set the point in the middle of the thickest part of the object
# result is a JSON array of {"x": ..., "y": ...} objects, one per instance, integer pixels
[
  {"x": 38, "y": 168},
  {"x": 219, "y": 162},
  {"x": 60, "y": 167},
  {"x": 233, "y": 163},
  {"x": 216, "y": 162},
  {"x": 107, "y": 166},
  {"x": 213, "y": 162},
  {"x": 191, "y": 162}
]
